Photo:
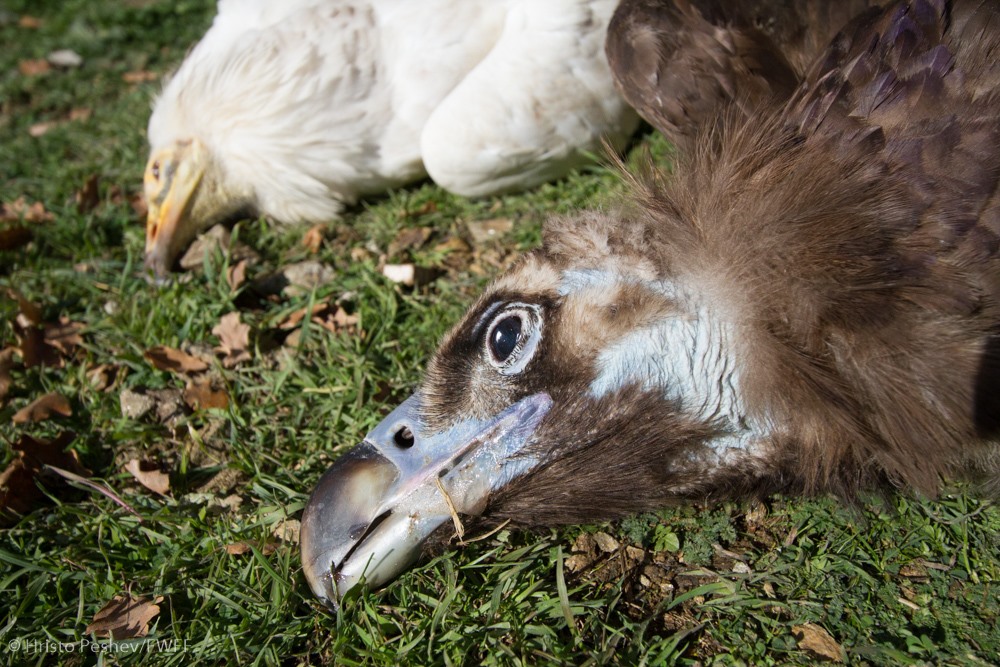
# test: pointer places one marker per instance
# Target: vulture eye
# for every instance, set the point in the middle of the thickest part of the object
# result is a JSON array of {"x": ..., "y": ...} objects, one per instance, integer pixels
[
  {"x": 155, "y": 169},
  {"x": 513, "y": 336},
  {"x": 504, "y": 338}
]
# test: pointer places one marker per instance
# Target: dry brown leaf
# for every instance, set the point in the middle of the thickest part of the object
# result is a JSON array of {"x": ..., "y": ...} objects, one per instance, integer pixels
[
  {"x": 43, "y": 343},
  {"x": 125, "y": 617},
  {"x": 483, "y": 231},
  {"x": 29, "y": 22},
  {"x": 287, "y": 530},
  {"x": 43, "y": 408},
  {"x": 102, "y": 377},
  {"x": 330, "y": 316},
  {"x": 41, "y": 129},
  {"x": 410, "y": 238},
  {"x": 29, "y": 312},
  {"x": 201, "y": 395},
  {"x": 139, "y": 76},
  {"x": 313, "y": 238},
  {"x": 149, "y": 475},
  {"x": 88, "y": 197},
  {"x": 816, "y": 640},
  {"x": 6, "y": 364},
  {"x": 20, "y": 210},
  {"x": 18, "y": 491},
  {"x": 237, "y": 275},
  {"x": 237, "y": 548},
  {"x": 234, "y": 339},
  {"x": 64, "y": 335},
  {"x": 34, "y": 67},
  {"x": 171, "y": 359}
]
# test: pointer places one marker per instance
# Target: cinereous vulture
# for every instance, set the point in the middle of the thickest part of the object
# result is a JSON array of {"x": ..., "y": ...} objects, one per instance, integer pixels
[{"x": 808, "y": 303}]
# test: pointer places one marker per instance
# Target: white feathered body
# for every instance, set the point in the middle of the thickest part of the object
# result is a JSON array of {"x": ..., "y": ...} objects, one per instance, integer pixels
[{"x": 307, "y": 105}]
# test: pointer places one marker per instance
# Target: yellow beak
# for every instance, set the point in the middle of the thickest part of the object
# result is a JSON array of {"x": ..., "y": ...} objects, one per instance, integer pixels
[{"x": 171, "y": 180}]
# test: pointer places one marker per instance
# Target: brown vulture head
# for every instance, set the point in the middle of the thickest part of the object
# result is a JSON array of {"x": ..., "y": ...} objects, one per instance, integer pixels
[{"x": 808, "y": 304}]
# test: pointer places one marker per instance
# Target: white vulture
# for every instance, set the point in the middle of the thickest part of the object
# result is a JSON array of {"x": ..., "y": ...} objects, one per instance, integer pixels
[
  {"x": 808, "y": 303},
  {"x": 294, "y": 109}
]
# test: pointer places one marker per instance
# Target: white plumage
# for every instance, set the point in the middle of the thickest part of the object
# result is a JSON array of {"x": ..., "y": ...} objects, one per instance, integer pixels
[{"x": 294, "y": 110}]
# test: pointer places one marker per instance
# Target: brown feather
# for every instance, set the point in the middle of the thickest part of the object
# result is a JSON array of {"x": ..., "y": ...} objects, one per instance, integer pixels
[{"x": 849, "y": 231}]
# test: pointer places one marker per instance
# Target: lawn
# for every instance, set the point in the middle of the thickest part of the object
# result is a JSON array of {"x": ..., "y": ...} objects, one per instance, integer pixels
[{"x": 200, "y": 440}]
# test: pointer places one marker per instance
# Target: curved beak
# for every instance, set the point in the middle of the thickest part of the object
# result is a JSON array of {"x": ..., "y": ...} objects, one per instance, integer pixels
[
  {"x": 375, "y": 507},
  {"x": 172, "y": 177}
]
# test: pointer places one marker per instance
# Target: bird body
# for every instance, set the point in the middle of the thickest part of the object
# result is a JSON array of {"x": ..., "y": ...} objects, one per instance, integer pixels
[
  {"x": 808, "y": 303},
  {"x": 294, "y": 110}
]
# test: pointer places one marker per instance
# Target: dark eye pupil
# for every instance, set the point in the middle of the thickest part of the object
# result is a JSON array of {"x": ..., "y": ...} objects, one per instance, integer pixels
[
  {"x": 503, "y": 339},
  {"x": 156, "y": 170}
]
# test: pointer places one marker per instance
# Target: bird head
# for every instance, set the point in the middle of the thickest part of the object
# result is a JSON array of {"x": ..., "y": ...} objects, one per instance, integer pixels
[
  {"x": 582, "y": 385},
  {"x": 186, "y": 194}
]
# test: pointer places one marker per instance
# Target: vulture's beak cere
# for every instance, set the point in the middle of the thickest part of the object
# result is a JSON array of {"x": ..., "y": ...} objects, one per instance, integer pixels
[
  {"x": 172, "y": 179},
  {"x": 372, "y": 511}
]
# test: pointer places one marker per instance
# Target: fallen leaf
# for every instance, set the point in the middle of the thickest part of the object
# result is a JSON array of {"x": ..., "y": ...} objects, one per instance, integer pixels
[
  {"x": 237, "y": 275},
  {"x": 234, "y": 339},
  {"x": 41, "y": 129},
  {"x": 149, "y": 475},
  {"x": 80, "y": 113},
  {"x": 171, "y": 359},
  {"x": 139, "y": 76},
  {"x": 42, "y": 343},
  {"x": 20, "y": 210},
  {"x": 64, "y": 335},
  {"x": 201, "y": 395},
  {"x": 483, "y": 231},
  {"x": 287, "y": 530},
  {"x": 18, "y": 491},
  {"x": 816, "y": 640},
  {"x": 217, "y": 238},
  {"x": 330, "y": 316},
  {"x": 410, "y": 238},
  {"x": 237, "y": 548},
  {"x": 102, "y": 377},
  {"x": 43, "y": 408},
  {"x": 125, "y": 617},
  {"x": 29, "y": 22},
  {"x": 34, "y": 67},
  {"x": 87, "y": 197},
  {"x": 296, "y": 279},
  {"x": 313, "y": 238},
  {"x": 66, "y": 58},
  {"x": 6, "y": 364}
]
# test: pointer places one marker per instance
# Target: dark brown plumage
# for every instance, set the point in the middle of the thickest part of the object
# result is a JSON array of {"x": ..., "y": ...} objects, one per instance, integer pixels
[
  {"x": 808, "y": 303},
  {"x": 679, "y": 61}
]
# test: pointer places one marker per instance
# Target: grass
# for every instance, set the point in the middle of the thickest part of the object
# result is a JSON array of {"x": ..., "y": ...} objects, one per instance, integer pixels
[{"x": 899, "y": 582}]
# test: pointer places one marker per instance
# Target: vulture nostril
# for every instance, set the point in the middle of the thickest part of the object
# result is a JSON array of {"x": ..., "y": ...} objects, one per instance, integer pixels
[{"x": 403, "y": 438}]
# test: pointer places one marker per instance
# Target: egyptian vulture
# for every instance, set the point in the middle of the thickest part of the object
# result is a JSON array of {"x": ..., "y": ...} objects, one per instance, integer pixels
[
  {"x": 808, "y": 304},
  {"x": 294, "y": 109}
]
